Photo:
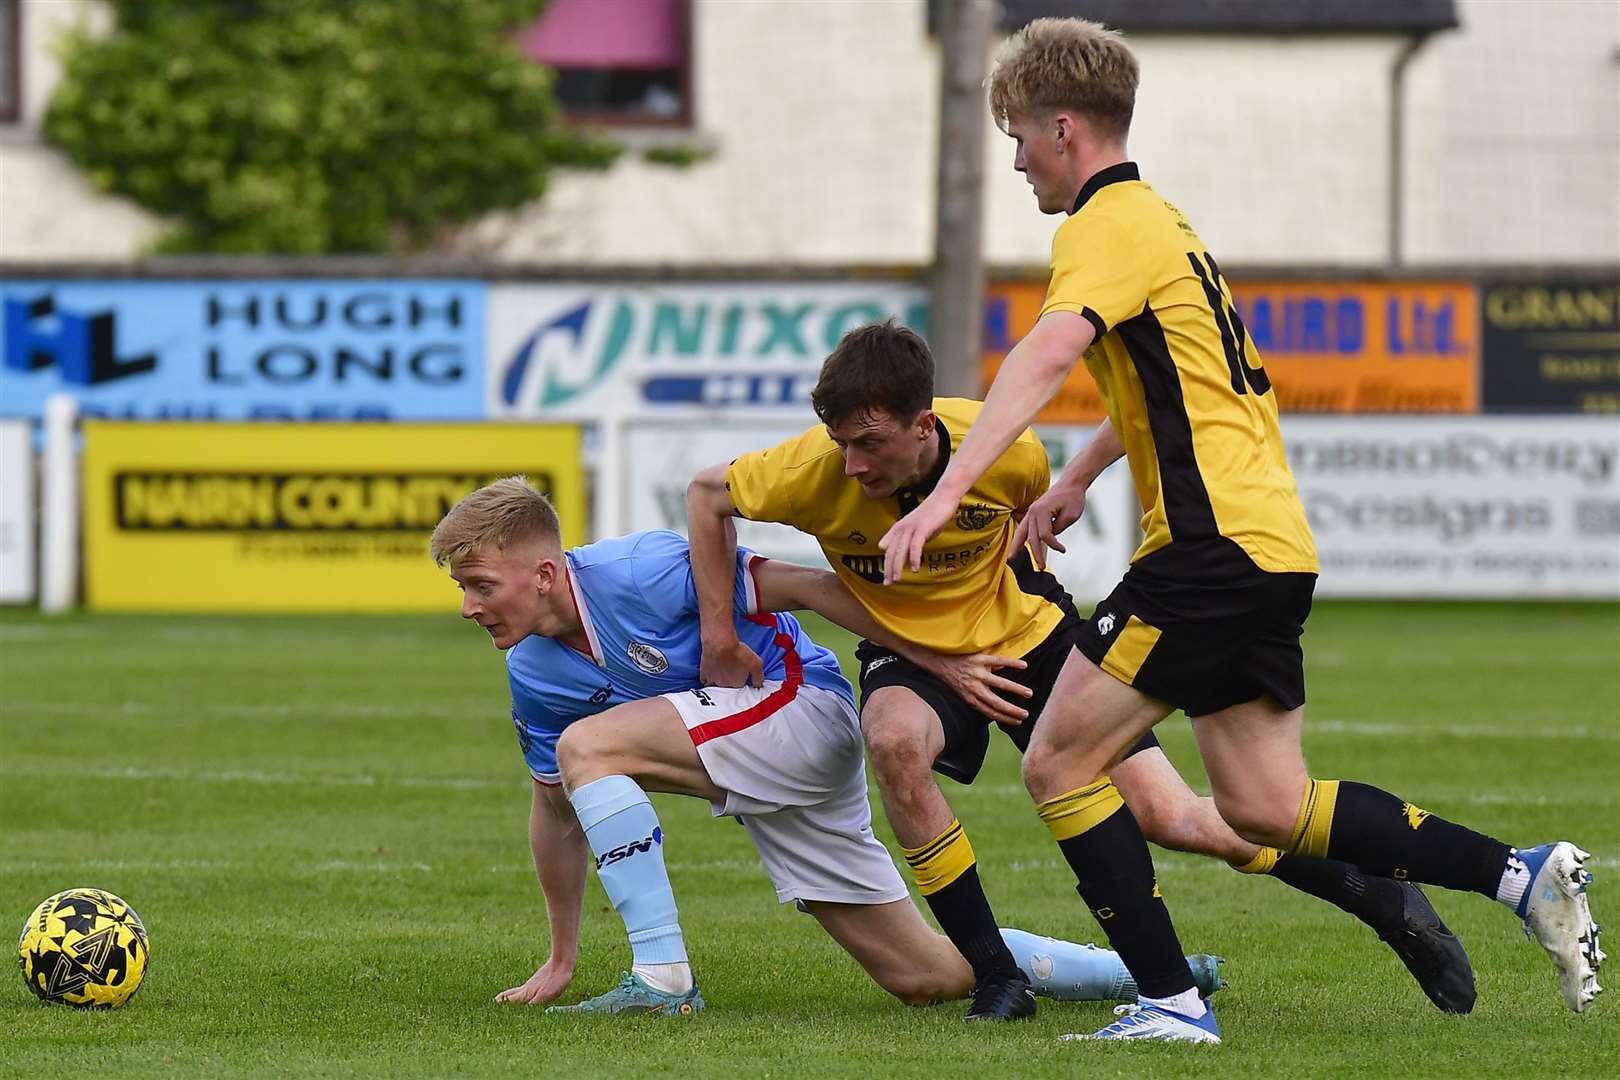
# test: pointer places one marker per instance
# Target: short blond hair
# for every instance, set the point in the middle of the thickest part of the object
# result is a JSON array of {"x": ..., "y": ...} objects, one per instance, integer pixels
[
  {"x": 1056, "y": 64},
  {"x": 498, "y": 515}
]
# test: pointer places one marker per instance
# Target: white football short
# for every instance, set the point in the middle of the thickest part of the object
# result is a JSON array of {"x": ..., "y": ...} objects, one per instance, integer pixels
[{"x": 789, "y": 759}]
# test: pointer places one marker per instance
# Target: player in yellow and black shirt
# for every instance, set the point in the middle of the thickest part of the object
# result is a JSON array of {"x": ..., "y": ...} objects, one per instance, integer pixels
[
  {"x": 967, "y": 597},
  {"x": 957, "y": 620},
  {"x": 1208, "y": 618},
  {"x": 1006, "y": 626}
]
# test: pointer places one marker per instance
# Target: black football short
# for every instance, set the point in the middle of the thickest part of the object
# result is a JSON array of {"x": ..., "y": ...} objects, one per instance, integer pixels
[
  {"x": 967, "y": 731},
  {"x": 1203, "y": 628}
]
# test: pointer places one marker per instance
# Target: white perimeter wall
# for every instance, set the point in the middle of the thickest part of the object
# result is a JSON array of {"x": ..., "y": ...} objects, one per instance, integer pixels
[
  {"x": 822, "y": 116},
  {"x": 1515, "y": 149}
]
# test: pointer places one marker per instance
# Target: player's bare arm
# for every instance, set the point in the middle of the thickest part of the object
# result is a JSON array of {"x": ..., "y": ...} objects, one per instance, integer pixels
[
  {"x": 1031, "y": 376},
  {"x": 560, "y": 854},
  {"x": 1064, "y": 502},
  {"x": 790, "y": 587},
  {"x": 713, "y": 539}
]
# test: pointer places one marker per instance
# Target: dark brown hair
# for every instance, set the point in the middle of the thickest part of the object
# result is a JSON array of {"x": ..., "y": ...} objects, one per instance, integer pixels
[{"x": 878, "y": 366}]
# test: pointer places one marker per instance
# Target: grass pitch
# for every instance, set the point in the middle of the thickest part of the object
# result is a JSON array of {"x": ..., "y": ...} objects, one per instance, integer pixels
[{"x": 322, "y": 822}]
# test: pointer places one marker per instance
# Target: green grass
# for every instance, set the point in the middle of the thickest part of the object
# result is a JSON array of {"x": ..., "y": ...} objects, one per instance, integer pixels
[{"x": 322, "y": 822}]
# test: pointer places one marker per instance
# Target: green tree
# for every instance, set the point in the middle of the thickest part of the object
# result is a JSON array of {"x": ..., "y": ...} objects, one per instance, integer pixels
[{"x": 314, "y": 126}]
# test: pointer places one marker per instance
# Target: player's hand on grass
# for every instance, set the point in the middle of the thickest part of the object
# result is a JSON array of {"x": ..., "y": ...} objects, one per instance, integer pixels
[
  {"x": 1047, "y": 516},
  {"x": 902, "y": 545},
  {"x": 975, "y": 680},
  {"x": 543, "y": 986},
  {"x": 730, "y": 663}
]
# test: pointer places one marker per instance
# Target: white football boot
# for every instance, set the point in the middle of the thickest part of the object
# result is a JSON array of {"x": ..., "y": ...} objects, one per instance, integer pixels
[{"x": 1556, "y": 914}]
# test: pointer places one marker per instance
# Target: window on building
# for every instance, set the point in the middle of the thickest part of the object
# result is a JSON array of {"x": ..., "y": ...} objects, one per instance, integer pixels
[
  {"x": 10, "y": 61},
  {"x": 617, "y": 61}
]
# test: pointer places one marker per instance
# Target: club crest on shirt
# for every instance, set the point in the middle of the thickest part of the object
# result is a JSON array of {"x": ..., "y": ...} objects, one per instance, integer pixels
[
  {"x": 973, "y": 517},
  {"x": 647, "y": 658},
  {"x": 522, "y": 731}
]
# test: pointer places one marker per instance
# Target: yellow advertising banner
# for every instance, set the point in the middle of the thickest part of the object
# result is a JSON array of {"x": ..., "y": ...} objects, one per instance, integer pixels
[
  {"x": 296, "y": 517},
  {"x": 1329, "y": 347}
]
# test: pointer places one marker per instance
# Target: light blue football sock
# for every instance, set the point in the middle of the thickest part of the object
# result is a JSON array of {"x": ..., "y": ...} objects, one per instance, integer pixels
[
  {"x": 1069, "y": 972},
  {"x": 628, "y": 843}
]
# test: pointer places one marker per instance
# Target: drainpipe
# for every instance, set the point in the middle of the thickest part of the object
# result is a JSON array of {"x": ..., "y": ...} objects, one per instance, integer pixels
[{"x": 1397, "y": 140}]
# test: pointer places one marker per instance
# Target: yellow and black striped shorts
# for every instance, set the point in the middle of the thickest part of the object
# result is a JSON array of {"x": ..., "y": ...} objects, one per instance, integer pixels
[{"x": 1205, "y": 632}]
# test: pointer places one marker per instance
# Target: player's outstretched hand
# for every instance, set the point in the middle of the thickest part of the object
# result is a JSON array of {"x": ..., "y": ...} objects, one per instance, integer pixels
[
  {"x": 1047, "y": 516},
  {"x": 543, "y": 986},
  {"x": 974, "y": 679},
  {"x": 902, "y": 545},
  {"x": 731, "y": 664}
]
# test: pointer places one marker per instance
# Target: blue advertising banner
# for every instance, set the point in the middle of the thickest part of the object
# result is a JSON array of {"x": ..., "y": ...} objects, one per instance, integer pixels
[{"x": 245, "y": 350}]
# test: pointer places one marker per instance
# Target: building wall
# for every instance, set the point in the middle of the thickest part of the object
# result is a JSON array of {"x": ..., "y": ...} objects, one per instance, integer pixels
[
  {"x": 48, "y": 209},
  {"x": 1515, "y": 148},
  {"x": 822, "y": 117},
  {"x": 822, "y": 114},
  {"x": 1275, "y": 148}
]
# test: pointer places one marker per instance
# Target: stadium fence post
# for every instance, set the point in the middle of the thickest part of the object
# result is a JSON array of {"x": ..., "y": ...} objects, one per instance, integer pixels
[{"x": 59, "y": 517}]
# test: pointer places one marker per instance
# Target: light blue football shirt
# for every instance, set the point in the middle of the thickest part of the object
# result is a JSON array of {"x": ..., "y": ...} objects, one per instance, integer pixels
[{"x": 639, "y": 606}]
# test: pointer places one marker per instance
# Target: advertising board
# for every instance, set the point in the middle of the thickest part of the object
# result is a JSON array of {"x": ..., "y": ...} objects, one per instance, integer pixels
[
  {"x": 664, "y": 454},
  {"x": 1507, "y": 507},
  {"x": 576, "y": 352},
  {"x": 284, "y": 517},
  {"x": 17, "y": 512},
  {"x": 1329, "y": 347},
  {"x": 1552, "y": 346},
  {"x": 245, "y": 350},
  {"x": 1101, "y": 543}
]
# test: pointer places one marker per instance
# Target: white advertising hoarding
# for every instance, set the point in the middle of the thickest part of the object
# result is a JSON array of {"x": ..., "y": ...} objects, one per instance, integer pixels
[
  {"x": 17, "y": 571},
  {"x": 1466, "y": 507},
  {"x": 1401, "y": 507},
  {"x": 661, "y": 455},
  {"x": 575, "y": 352},
  {"x": 1479, "y": 507},
  {"x": 1101, "y": 543}
]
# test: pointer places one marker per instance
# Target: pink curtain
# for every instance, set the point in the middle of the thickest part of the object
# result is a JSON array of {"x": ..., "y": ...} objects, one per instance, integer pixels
[{"x": 606, "y": 34}]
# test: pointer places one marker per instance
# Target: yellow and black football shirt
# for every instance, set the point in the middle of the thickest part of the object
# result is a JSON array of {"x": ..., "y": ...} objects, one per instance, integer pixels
[
  {"x": 1183, "y": 383},
  {"x": 966, "y": 598}
]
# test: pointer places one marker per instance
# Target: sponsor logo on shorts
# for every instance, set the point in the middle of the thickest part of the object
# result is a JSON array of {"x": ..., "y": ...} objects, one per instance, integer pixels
[
  {"x": 1415, "y": 815},
  {"x": 1105, "y": 625},
  {"x": 708, "y": 701},
  {"x": 647, "y": 658},
  {"x": 634, "y": 847},
  {"x": 857, "y": 537},
  {"x": 875, "y": 664}
]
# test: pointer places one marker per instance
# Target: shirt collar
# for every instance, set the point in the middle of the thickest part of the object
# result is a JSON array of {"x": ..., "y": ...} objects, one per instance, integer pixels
[
  {"x": 910, "y": 496},
  {"x": 583, "y": 611},
  {"x": 1114, "y": 174}
]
